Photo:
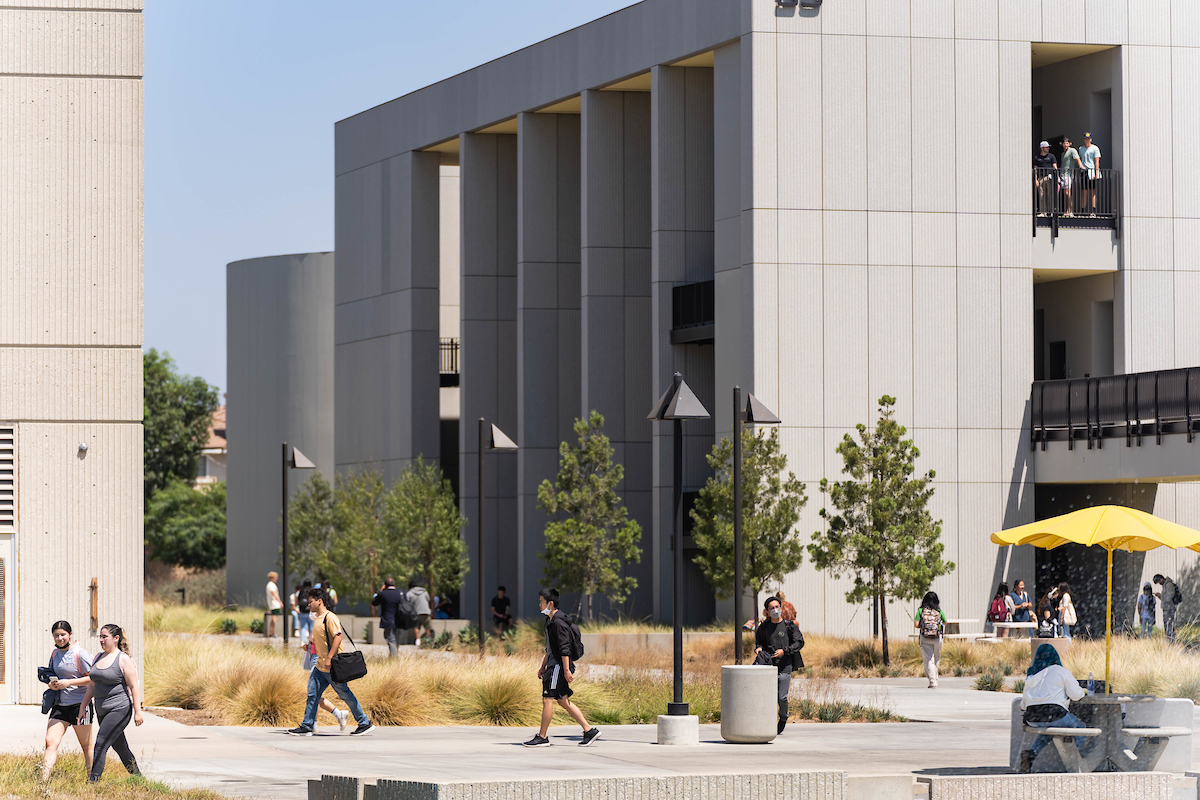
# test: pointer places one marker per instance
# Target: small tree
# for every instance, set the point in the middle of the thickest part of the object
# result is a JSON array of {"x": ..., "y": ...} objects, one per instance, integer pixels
[
  {"x": 176, "y": 413},
  {"x": 587, "y": 546},
  {"x": 186, "y": 526},
  {"x": 770, "y": 510},
  {"x": 424, "y": 524},
  {"x": 883, "y": 534}
]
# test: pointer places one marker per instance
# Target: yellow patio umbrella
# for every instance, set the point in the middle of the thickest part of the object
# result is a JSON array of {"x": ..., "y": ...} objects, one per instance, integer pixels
[{"x": 1110, "y": 527}]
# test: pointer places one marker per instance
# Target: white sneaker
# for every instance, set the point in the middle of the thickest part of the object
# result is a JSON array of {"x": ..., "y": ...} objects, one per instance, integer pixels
[{"x": 342, "y": 718}]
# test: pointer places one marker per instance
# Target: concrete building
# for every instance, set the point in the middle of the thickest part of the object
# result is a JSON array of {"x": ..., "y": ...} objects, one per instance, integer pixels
[
  {"x": 71, "y": 334},
  {"x": 215, "y": 453},
  {"x": 821, "y": 205},
  {"x": 279, "y": 322}
]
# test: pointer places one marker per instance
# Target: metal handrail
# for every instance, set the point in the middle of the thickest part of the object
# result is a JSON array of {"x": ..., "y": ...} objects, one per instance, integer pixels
[
  {"x": 448, "y": 356},
  {"x": 1096, "y": 407},
  {"x": 1076, "y": 198}
]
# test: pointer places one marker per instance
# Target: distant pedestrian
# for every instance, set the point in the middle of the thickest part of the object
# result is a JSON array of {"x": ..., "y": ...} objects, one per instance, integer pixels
[
  {"x": 1145, "y": 607},
  {"x": 1170, "y": 598},
  {"x": 388, "y": 599},
  {"x": 419, "y": 598},
  {"x": 930, "y": 622},
  {"x": 1045, "y": 176},
  {"x": 557, "y": 671},
  {"x": 70, "y": 664},
  {"x": 113, "y": 683},
  {"x": 1090, "y": 177},
  {"x": 782, "y": 640},
  {"x": 274, "y": 604},
  {"x": 295, "y": 611},
  {"x": 327, "y": 634},
  {"x": 1066, "y": 610},
  {"x": 1069, "y": 167},
  {"x": 442, "y": 608},
  {"x": 789, "y": 610},
  {"x": 1022, "y": 608},
  {"x": 998, "y": 610},
  {"x": 501, "y": 617},
  {"x": 305, "y": 613}
]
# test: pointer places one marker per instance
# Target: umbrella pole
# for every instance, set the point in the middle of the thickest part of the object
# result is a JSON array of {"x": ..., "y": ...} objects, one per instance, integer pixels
[{"x": 1108, "y": 630}]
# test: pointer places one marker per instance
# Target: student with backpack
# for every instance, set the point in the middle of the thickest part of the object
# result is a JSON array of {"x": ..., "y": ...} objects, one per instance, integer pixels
[
  {"x": 564, "y": 645},
  {"x": 998, "y": 610},
  {"x": 1170, "y": 597},
  {"x": 930, "y": 622}
]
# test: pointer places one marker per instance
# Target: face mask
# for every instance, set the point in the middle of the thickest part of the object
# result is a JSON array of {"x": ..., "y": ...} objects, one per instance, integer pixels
[
  {"x": 546, "y": 611},
  {"x": 775, "y": 613},
  {"x": 63, "y": 646}
]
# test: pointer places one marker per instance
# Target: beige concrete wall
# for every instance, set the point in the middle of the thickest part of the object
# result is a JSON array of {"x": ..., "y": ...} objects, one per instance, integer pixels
[{"x": 70, "y": 339}]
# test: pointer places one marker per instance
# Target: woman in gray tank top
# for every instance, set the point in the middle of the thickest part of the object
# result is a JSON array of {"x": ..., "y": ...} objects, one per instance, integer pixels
[{"x": 118, "y": 695}]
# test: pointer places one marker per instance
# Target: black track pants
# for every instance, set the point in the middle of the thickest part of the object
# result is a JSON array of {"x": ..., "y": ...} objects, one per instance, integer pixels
[{"x": 112, "y": 735}]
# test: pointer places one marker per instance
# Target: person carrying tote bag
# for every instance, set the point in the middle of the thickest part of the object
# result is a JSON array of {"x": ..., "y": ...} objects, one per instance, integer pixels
[
  {"x": 334, "y": 668},
  {"x": 345, "y": 667}
]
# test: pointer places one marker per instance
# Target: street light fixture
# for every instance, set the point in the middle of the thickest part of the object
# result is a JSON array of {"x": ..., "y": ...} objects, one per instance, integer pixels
[
  {"x": 677, "y": 404},
  {"x": 291, "y": 460},
  {"x": 755, "y": 413},
  {"x": 489, "y": 439}
]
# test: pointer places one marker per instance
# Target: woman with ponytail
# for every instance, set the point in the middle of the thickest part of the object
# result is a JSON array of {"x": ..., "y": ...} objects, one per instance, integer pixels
[
  {"x": 70, "y": 664},
  {"x": 114, "y": 684}
]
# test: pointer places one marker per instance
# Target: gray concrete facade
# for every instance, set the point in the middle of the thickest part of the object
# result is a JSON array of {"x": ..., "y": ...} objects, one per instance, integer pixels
[
  {"x": 280, "y": 323},
  {"x": 818, "y": 166}
]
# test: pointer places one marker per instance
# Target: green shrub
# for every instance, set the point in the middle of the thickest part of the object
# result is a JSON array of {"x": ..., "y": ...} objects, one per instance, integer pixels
[
  {"x": 229, "y": 626},
  {"x": 1019, "y": 686},
  {"x": 256, "y": 625},
  {"x": 991, "y": 681}
]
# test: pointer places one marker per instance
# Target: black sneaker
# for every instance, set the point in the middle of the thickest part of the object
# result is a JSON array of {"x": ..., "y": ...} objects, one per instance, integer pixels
[
  {"x": 782, "y": 725},
  {"x": 538, "y": 741},
  {"x": 1027, "y": 759},
  {"x": 300, "y": 730},
  {"x": 362, "y": 729},
  {"x": 589, "y": 736}
]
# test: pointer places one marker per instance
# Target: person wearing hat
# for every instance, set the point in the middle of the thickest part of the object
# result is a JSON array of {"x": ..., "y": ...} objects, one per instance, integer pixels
[
  {"x": 1068, "y": 167},
  {"x": 1090, "y": 158},
  {"x": 1045, "y": 172}
]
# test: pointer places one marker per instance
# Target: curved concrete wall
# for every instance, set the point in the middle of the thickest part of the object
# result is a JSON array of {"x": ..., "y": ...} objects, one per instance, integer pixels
[{"x": 280, "y": 372}]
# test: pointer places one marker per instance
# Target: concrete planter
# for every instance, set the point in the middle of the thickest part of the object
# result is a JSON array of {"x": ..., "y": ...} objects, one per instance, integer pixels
[{"x": 749, "y": 704}]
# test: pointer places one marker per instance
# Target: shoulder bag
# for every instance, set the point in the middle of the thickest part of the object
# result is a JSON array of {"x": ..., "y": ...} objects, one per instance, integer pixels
[
  {"x": 345, "y": 667},
  {"x": 50, "y": 696}
]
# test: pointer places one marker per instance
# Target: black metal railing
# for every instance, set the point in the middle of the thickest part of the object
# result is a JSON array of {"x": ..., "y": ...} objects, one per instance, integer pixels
[
  {"x": 1076, "y": 199},
  {"x": 693, "y": 304},
  {"x": 1144, "y": 403},
  {"x": 448, "y": 362}
]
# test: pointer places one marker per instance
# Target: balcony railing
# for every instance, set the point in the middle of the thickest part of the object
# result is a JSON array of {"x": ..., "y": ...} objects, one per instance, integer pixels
[
  {"x": 1076, "y": 199},
  {"x": 1142, "y": 404},
  {"x": 693, "y": 313},
  {"x": 448, "y": 362}
]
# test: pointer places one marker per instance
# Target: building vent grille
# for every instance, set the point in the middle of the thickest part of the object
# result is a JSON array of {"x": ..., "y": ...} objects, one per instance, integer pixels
[
  {"x": 2, "y": 630},
  {"x": 8, "y": 478}
]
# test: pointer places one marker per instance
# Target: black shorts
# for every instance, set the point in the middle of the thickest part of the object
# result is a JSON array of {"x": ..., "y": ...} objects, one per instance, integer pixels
[
  {"x": 1086, "y": 182},
  {"x": 70, "y": 714},
  {"x": 554, "y": 685}
]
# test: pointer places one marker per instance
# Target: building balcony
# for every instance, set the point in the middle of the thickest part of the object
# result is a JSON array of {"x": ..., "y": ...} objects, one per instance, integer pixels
[
  {"x": 1076, "y": 224},
  {"x": 693, "y": 313},
  {"x": 448, "y": 362}
]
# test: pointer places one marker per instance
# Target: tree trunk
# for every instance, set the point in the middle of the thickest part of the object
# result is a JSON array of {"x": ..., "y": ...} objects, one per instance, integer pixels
[
  {"x": 754, "y": 610},
  {"x": 875, "y": 606},
  {"x": 589, "y": 608},
  {"x": 887, "y": 660}
]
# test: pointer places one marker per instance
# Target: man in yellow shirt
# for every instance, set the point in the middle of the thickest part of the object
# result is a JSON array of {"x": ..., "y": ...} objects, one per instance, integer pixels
[{"x": 328, "y": 638}]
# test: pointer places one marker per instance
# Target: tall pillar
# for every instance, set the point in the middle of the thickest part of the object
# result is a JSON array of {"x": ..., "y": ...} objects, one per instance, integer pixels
[
  {"x": 488, "y": 354},
  {"x": 682, "y": 252},
  {"x": 548, "y": 334},
  {"x": 386, "y": 315},
  {"x": 616, "y": 314}
]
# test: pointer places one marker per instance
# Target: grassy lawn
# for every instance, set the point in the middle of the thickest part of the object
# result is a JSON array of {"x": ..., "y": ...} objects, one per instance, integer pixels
[{"x": 20, "y": 777}]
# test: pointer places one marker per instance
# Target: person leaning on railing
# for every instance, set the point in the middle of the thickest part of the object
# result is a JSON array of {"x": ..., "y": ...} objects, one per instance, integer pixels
[
  {"x": 1070, "y": 166},
  {"x": 1045, "y": 172}
]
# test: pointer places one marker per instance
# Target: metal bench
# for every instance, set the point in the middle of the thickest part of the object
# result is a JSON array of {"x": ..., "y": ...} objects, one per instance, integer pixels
[
  {"x": 1151, "y": 743},
  {"x": 1064, "y": 742}
]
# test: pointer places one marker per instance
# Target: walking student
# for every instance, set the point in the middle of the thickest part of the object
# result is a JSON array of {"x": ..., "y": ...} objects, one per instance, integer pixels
[
  {"x": 419, "y": 598},
  {"x": 70, "y": 664},
  {"x": 388, "y": 600},
  {"x": 274, "y": 604},
  {"x": 557, "y": 672},
  {"x": 930, "y": 622},
  {"x": 306, "y": 618},
  {"x": 1170, "y": 598},
  {"x": 327, "y": 634},
  {"x": 113, "y": 683},
  {"x": 781, "y": 638}
]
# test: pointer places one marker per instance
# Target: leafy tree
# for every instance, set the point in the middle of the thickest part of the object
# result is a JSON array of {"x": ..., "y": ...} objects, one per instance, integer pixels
[
  {"x": 186, "y": 526},
  {"x": 770, "y": 510},
  {"x": 177, "y": 411},
  {"x": 882, "y": 533},
  {"x": 423, "y": 524},
  {"x": 592, "y": 538}
]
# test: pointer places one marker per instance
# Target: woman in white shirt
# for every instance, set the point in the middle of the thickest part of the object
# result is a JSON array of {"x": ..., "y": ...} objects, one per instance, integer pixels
[
  {"x": 1067, "y": 617},
  {"x": 1049, "y": 690}
]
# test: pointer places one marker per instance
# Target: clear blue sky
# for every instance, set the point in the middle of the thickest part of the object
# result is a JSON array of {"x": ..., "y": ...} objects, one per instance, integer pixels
[{"x": 241, "y": 98}]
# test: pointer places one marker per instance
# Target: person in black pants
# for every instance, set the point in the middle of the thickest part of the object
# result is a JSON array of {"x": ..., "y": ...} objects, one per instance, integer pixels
[
  {"x": 388, "y": 600},
  {"x": 782, "y": 640},
  {"x": 114, "y": 685}
]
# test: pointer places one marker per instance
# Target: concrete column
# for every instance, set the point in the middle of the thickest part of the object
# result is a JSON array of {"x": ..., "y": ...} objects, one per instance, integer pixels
[
  {"x": 386, "y": 315},
  {"x": 616, "y": 311},
  {"x": 488, "y": 354},
  {"x": 681, "y": 252},
  {"x": 548, "y": 333},
  {"x": 727, "y": 226}
]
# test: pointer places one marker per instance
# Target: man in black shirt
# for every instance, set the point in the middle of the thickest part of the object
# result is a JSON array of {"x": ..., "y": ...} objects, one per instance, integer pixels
[
  {"x": 1046, "y": 176},
  {"x": 388, "y": 599},
  {"x": 557, "y": 671},
  {"x": 781, "y": 639},
  {"x": 500, "y": 616}
]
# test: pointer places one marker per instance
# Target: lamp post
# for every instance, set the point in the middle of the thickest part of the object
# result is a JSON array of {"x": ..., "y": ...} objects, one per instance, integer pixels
[
  {"x": 677, "y": 404},
  {"x": 755, "y": 413},
  {"x": 489, "y": 439},
  {"x": 291, "y": 460}
]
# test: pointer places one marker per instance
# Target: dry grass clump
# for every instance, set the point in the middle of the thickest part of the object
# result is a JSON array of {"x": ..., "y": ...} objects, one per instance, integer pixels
[
  {"x": 1140, "y": 666},
  {"x": 823, "y": 699},
  {"x": 20, "y": 778},
  {"x": 194, "y": 618}
]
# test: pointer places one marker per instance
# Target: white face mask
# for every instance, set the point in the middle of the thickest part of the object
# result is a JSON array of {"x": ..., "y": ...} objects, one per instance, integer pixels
[
  {"x": 546, "y": 611},
  {"x": 775, "y": 613}
]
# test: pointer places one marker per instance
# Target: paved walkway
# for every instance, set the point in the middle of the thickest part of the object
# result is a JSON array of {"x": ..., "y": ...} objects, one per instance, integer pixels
[{"x": 969, "y": 734}]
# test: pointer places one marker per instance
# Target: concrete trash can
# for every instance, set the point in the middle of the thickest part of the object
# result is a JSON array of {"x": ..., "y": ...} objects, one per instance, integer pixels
[{"x": 749, "y": 704}]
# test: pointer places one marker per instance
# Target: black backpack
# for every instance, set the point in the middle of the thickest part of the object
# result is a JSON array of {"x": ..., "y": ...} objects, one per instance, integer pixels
[
  {"x": 576, "y": 637},
  {"x": 302, "y": 601},
  {"x": 405, "y": 616},
  {"x": 1176, "y": 598}
]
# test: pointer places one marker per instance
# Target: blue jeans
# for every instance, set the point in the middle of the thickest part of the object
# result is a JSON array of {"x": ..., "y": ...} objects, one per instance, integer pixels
[
  {"x": 306, "y": 625},
  {"x": 1067, "y": 721},
  {"x": 1147, "y": 627},
  {"x": 318, "y": 682},
  {"x": 1065, "y": 631}
]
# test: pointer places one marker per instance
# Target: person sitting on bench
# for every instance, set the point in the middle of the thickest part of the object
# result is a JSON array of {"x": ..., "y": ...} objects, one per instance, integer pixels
[{"x": 1049, "y": 690}]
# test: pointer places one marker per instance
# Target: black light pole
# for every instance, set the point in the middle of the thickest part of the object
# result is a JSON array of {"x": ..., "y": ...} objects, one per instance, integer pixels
[
  {"x": 756, "y": 414},
  {"x": 677, "y": 404},
  {"x": 294, "y": 460},
  {"x": 493, "y": 439}
]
